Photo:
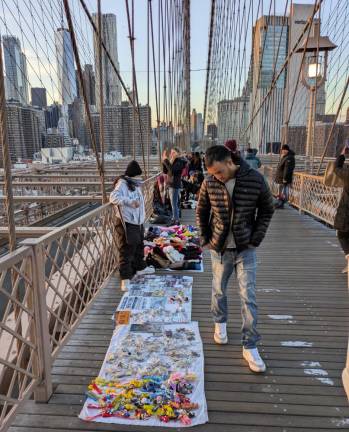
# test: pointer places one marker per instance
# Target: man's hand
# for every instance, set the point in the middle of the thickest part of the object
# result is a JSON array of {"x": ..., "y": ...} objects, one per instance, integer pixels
[{"x": 134, "y": 204}]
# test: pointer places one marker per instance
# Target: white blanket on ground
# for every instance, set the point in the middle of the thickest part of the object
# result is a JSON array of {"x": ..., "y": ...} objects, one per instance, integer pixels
[{"x": 165, "y": 354}]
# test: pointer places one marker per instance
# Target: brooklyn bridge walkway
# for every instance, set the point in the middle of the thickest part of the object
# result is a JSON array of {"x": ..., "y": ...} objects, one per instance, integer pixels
[{"x": 304, "y": 317}]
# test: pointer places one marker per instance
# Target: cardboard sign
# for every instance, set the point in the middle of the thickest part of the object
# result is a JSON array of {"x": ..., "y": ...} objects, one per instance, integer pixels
[{"x": 123, "y": 317}]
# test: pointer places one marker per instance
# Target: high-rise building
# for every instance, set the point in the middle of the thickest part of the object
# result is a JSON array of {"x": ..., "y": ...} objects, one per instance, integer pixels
[
  {"x": 199, "y": 126},
  {"x": 65, "y": 66},
  {"x": 120, "y": 126},
  {"x": 24, "y": 130},
  {"x": 232, "y": 120},
  {"x": 16, "y": 83},
  {"x": 111, "y": 83},
  {"x": 52, "y": 115},
  {"x": 90, "y": 83},
  {"x": 269, "y": 51},
  {"x": 212, "y": 131},
  {"x": 38, "y": 97},
  {"x": 77, "y": 124},
  {"x": 88, "y": 76},
  {"x": 193, "y": 126},
  {"x": 299, "y": 15}
]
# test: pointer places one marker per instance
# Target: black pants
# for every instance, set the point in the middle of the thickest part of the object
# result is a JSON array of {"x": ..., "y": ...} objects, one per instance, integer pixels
[
  {"x": 131, "y": 249},
  {"x": 343, "y": 238}
]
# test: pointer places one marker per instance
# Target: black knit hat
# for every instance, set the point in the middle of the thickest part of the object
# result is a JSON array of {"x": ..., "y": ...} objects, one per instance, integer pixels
[{"x": 133, "y": 169}]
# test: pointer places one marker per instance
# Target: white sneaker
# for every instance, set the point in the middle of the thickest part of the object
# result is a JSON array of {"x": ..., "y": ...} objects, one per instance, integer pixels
[
  {"x": 147, "y": 270},
  {"x": 220, "y": 333},
  {"x": 254, "y": 360},
  {"x": 125, "y": 284}
]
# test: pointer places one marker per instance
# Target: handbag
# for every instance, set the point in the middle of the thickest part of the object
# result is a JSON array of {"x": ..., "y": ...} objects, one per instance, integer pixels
[{"x": 330, "y": 178}]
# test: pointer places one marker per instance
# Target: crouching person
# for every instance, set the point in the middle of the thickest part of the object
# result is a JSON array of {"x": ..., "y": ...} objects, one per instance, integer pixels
[{"x": 128, "y": 199}]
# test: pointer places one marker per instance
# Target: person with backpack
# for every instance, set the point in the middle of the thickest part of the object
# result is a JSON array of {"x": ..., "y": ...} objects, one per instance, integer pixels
[
  {"x": 173, "y": 166},
  {"x": 128, "y": 200}
]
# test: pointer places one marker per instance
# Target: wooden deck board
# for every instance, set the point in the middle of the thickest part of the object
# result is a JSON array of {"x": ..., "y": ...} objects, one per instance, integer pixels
[{"x": 299, "y": 274}]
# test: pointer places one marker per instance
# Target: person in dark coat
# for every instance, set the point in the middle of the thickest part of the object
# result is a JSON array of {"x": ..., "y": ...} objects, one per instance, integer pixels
[
  {"x": 341, "y": 220},
  {"x": 173, "y": 167},
  {"x": 284, "y": 174},
  {"x": 195, "y": 163},
  {"x": 234, "y": 210}
]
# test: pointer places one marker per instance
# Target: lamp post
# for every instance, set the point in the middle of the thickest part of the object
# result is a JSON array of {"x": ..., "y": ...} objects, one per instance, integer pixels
[{"x": 314, "y": 70}]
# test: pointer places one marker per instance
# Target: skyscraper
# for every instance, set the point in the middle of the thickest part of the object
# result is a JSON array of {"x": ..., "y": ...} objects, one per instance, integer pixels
[
  {"x": 24, "y": 130},
  {"x": 89, "y": 79},
  {"x": 65, "y": 66},
  {"x": 212, "y": 130},
  {"x": 199, "y": 126},
  {"x": 119, "y": 124},
  {"x": 232, "y": 120},
  {"x": 299, "y": 14},
  {"x": 194, "y": 126},
  {"x": 38, "y": 97},
  {"x": 111, "y": 83},
  {"x": 16, "y": 82},
  {"x": 90, "y": 83},
  {"x": 269, "y": 51}
]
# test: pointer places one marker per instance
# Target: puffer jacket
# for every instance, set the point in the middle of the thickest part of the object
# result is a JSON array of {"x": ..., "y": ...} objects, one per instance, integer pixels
[
  {"x": 285, "y": 168},
  {"x": 252, "y": 203},
  {"x": 341, "y": 220}
]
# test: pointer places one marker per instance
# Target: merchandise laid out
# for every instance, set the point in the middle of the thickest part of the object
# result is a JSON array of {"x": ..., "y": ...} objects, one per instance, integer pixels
[
  {"x": 173, "y": 248},
  {"x": 152, "y": 375},
  {"x": 157, "y": 299}
]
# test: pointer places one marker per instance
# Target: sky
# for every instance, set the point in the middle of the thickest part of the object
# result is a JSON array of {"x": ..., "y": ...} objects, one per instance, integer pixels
[{"x": 35, "y": 21}]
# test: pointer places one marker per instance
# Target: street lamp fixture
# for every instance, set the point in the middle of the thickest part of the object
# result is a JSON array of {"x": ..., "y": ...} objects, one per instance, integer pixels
[{"x": 314, "y": 72}]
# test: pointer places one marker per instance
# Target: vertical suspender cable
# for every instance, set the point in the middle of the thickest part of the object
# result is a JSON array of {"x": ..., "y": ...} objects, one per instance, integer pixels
[
  {"x": 101, "y": 99},
  {"x": 6, "y": 161},
  {"x": 213, "y": 5},
  {"x": 83, "y": 88},
  {"x": 148, "y": 82}
]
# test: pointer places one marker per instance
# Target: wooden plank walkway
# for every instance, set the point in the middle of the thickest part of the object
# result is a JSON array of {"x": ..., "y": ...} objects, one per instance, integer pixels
[{"x": 299, "y": 275}]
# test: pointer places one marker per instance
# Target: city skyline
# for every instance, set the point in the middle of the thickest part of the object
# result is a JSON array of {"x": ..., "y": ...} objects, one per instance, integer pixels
[
  {"x": 200, "y": 11},
  {"x": 267, "y": 33}
]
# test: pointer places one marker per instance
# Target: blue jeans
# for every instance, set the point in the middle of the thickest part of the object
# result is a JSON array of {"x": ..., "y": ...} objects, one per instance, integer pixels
[
  {"x": 174, "y": 198},
  {"x": 245, "y": 265}
]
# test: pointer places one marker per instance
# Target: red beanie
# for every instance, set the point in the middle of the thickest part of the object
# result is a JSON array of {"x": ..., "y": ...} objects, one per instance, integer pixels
[{"x": 231, "y": 145}]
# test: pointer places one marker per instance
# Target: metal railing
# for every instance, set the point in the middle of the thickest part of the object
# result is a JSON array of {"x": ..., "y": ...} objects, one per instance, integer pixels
[
  {"x": 46, "y": 286},
  {"x": 309, "y": 194}
]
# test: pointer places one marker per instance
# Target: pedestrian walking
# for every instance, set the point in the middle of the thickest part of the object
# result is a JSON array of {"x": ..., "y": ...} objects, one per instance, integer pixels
[
  {"x": 173, "y": 167},
  {"x": 284, "y": 174},
  {"x": 341, "y": 221},
  {"x": 128, "y": 199},
  {"x": 234, "y": 210}
]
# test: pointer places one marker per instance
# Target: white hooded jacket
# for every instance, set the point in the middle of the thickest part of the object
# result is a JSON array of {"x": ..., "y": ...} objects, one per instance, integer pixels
[{"x": 122, "y": 197}]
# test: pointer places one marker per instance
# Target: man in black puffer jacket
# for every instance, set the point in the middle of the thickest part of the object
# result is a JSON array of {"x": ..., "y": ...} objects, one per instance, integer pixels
[{"x": 233, "y": 214}]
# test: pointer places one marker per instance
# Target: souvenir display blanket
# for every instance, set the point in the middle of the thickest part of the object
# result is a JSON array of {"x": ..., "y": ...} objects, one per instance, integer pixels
[
  {"x": 152, "y": 375},
  {"x": 173, "y": 248},
  {"x": 158, "y": 299}
]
